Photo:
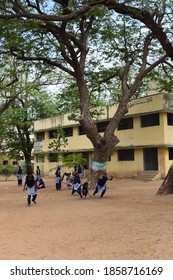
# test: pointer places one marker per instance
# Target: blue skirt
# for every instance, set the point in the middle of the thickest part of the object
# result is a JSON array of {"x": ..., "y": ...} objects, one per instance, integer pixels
[
  {"x": 31, "y": 191},
  {"x": 100, "y": 188}
]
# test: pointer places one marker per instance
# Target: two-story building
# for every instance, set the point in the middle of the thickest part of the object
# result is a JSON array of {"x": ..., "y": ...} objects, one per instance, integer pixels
[
  {"x": 145, "y": 134},
  {"x": 6, "y": 160}
]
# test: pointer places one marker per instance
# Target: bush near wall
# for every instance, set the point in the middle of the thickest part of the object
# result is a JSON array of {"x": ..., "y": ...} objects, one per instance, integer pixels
[{"x": 7, "y": 171}]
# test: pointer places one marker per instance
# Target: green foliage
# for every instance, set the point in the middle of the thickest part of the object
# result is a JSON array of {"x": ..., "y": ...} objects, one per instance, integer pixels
[
  {"x": 59, "y": 141},
  {"x": 31, "y": 103},
  {"x": 166, "y": 85},
  {"x": 108, "y": 55},
  {"x": 72, "y": 160},
  {"x": 113, "y": 40},
  {"x": 7, "y": 171},
  {"x": 68, "y": 101}
]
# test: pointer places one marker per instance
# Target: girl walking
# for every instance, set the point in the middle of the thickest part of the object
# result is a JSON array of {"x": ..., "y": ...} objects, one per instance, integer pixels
[
  {"x": 19, "y": 176},
  {"x": 31, "y": 186},
  {"x": 58, "y": 179}
]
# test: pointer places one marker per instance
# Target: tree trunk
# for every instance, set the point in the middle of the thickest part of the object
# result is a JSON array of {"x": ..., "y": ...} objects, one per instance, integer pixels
[
  {"x": 27, "y": 156},
  {"x": 167, "y": 185},
  {"x": 102, "y": 153}
]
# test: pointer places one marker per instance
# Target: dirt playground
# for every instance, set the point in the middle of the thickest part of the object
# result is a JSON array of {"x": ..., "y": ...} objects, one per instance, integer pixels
[{"x": 130, "y": 222}]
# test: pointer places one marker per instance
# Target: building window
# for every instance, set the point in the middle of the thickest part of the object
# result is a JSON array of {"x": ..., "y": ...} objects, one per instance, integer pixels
[
  {"x": 5, "y": 162},
  {"x": 40, "y": 136},
  {"x": 39, "y": 158},
  {"x": 53, "y": 157},
  {"x": 170, "y": 151},
  {"x": 81, "y": 131},
  {"x": 14, "y": 162},
  {"x": 65, "y": 154},
  {"x": 52, "y": 134},
  {"x": 126, "y": 123},
  {"x": 101, "y": 126},
  {"x": 150, "y": 120},
  {"x": 126, "y": 155},
  {"x": 169, "y": 118},
  {"x": 68, "y": 131}
]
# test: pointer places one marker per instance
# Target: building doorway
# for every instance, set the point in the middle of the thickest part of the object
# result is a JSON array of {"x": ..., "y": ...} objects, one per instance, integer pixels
[{"x": 150, "y": 158}]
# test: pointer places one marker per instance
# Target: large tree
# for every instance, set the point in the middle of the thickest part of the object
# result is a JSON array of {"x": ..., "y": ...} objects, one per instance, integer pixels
[
  {"x": 76, "y": 37},
  {"x": 8, "y": 80},
  {"x": 31, "y": 102}
]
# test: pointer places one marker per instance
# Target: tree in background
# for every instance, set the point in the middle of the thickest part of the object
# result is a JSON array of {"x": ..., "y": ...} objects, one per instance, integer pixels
[
  {"x": 7, "y": 171},
  {"x": 30, "y": 104},
  {"x": 8, "y": 79},
  {"x": 81, "y": 39}
]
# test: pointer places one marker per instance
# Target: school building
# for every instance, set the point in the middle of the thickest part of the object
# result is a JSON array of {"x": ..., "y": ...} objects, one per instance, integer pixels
[
  {"x": 6, "y": 160},
  {"x": 145, "y": 134}
]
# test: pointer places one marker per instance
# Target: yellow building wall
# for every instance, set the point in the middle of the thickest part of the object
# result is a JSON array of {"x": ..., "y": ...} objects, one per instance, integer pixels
[
  {"x": 168, "y": 143},
  {"x": 162, "y": 161},
  {"x": 126, "y": 168},
  {"x": 137, "y": 138},
  {"x": 53, "y": 122},
  {"x": 168, "y": 162},
  {"x": 151, "y": 103},
  {"x": 4, "y": 157},
  {"x": 75, "y": 142},
  {"x": 141, "y": 136}
]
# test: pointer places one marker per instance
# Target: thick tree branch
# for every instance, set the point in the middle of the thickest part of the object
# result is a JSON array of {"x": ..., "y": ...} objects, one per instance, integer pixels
[
  {"x": 46, "y": 17},
  {"x": 145, "y": 16},
  {"x": 19, "y": 54}
]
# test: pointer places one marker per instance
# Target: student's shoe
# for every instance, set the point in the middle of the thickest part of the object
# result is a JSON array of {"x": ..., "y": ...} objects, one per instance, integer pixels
[{"x": 28, "y": 205}]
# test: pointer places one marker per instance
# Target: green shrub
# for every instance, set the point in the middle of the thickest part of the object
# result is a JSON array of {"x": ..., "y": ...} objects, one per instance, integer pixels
[
  {"x": 72, "y": 160},
  {"x": 7, "y": 171}
]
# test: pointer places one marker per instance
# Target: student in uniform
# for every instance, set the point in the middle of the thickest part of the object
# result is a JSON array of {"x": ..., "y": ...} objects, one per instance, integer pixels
[
  {"x": 82, "y": 190},
  {"x": 19, "y": 176},
  {"x": 38, "y": 174},
  {"x": 76, "y": 182},
  {"x": 58, "y": 179},
  {"x": 40, "y": 184},
  {"x": 79, "y": 171},
  {"x": 100, "y": 185},
  {"x": 30, "y": 186}
]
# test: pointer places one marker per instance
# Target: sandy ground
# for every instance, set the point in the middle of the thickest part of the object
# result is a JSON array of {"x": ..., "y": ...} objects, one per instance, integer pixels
[{"x": 130, "y": 222}]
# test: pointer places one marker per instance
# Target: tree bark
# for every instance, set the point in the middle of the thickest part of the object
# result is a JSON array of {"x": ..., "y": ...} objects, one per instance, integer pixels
[{"x": 167, "y": 185}]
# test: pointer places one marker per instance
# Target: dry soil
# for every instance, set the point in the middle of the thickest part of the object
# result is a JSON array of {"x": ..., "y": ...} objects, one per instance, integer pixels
[{"x": 130, "y": 222}]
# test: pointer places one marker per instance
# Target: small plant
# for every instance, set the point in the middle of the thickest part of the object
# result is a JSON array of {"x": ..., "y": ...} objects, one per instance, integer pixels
[
  {"x": 7, "y": 171},
  {"x": 59, "y": 142},
  {"x": 72, "y": 160}
]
